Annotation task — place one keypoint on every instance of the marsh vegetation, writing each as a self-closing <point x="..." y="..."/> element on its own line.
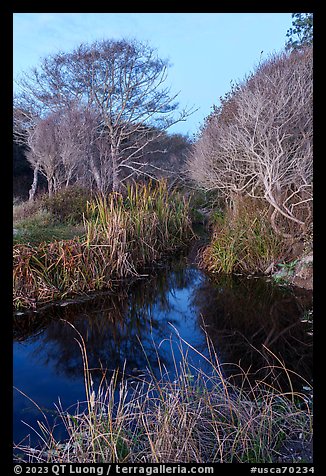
<point x="120" y="199"/>
<point x="122" y="234"/>
<point x="172" y="362"/>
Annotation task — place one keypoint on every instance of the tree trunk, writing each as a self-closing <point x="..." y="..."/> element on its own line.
<point x="68" y="178"/>
<point x="55" y="184"/>
<point x="34" y="184"/>
<point x="50" y="187"/>
<point x="96" y="175"/>
<point x="115" y="178"/>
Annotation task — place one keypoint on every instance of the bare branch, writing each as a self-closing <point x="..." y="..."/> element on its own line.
<point x="260" y="141"/>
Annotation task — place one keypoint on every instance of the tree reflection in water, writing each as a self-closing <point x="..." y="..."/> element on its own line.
<point x="111" y="325"/>
<point x="240" y="316"/>
<point x="250" y="319"/>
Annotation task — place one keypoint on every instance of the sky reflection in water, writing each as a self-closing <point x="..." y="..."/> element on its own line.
<point x="239" y="315"/>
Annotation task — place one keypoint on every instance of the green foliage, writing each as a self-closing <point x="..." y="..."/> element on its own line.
<point x="36" y="233"/>
<point x="301" y="33"/>
<point x="121" y="236"/>
<point x="40" y="226"/>
<point x="47" y="219"/>
<point x="288" y="267"/>
<point x="243" y="240"/>
<point x="201" y="205"/>
<point x="204" y="199"/>
<point x="68" y="205"/>
<point x="217" y="217"/>
<point x="286" y="272"/>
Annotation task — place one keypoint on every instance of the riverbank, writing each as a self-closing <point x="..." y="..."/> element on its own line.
<point x="122" y="236"/>
<point x="243" y="241"/>
<point x="220" y="421"/>
<point x="57" y="256"/>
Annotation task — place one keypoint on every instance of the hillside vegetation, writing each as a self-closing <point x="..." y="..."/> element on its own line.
<point x="255" y="152"/>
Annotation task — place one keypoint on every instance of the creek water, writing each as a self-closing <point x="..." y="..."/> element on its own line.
<point x="241" y="317"/>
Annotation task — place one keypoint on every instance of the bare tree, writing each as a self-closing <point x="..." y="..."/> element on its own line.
<point x="66" y="147"/>
<point x="264" y="148"/>
<point x="83" y="151"/>
<point x="43" y="153"/>
<point x="122" y="84"/>
<point x="168" y="156"/>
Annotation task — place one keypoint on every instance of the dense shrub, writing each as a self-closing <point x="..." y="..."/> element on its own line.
<point x="258" y="143"/>
<point x="68" y="205"/>
<point x="23" y="210"/>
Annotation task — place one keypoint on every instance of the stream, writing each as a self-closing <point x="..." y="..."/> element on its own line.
<point x="247" y="320"/>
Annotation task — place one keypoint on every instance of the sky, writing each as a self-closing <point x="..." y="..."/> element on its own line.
<point x="207" y="51"/>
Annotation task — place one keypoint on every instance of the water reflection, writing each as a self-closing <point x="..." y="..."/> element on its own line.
<point x="250" y="319"/>
<point x="239" y="315"/>
<point x="111" y="325"/>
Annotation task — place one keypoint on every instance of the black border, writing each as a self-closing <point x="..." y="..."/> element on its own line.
<point x="239" y="6"/>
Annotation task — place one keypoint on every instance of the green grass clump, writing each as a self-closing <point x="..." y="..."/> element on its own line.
<point x="121" y="235"/>
<point x="190" y="417"/>
<point x="138" y="227"/>
<point x="243" y="241"/>
<point x="41" y="228"/>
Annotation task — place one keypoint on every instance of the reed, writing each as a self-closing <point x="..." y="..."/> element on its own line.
<point x="243" y="241"/>
<point x="149" y="220"/>
<point x="193" y="416"/>
<point x="122" y="236"/>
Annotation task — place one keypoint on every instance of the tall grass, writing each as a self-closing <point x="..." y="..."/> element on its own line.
<point x="243" y="241"/>
<point x="137" y="228"/>
<point x="193" y="416"/>
<point x="122" y="235"/>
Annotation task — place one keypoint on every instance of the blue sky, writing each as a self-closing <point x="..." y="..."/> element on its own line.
<point x="207" y="50"/>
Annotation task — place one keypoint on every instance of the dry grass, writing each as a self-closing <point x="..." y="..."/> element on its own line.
<point x="25" y="210"/>
<point x="193" y="416"/>
<point x="122" y="235"/>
